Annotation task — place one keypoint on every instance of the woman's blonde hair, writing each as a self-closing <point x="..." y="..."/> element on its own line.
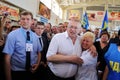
<point x="89" y="35"/>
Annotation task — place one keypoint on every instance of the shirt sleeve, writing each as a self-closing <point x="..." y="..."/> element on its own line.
<point x="39" y="47"/>
<point x="88" y="59"/>
<point x="53" y="47"/>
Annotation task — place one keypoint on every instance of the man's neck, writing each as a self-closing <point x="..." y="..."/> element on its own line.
<point x="73" y="38"/>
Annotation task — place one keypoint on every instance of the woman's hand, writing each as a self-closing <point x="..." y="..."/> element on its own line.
<point x="93" y="51"/>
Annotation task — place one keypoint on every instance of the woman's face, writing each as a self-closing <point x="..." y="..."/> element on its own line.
<point x="104" y="38"/>
<point x="87" y="42"/>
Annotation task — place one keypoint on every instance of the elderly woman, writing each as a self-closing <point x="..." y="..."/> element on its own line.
<point x="112" y="58"/>
<point x="102" y="47"/>
<point x="87" y="71"/>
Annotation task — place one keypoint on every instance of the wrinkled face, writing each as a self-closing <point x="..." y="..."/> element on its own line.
<point x="104" y="38"/>
<point x="72" y="28"/>
<point x="86" y="43"/>
<point x="26" y="21"/>
<point x="39" y="30"/>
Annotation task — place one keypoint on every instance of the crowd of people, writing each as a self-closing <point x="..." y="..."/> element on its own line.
<point x="33" y="50"/>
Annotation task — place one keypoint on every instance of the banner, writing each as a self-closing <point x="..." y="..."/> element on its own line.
<point x="113" y="15"/>
<point x="44" y="11"/>
<point x="99" y="15"/>
<point x="74" y="13"/>
<point x="95" y="15"/>
<point x="13" y="12"/>
<point x="44" y="20"/>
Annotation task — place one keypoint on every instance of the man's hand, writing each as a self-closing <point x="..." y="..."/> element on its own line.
<point x="76" y="59"/>
<point x="34" y="68"/>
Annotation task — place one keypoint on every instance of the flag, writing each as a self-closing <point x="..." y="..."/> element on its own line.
<point x="85" y="22"/>
<point x="105" y="22"/>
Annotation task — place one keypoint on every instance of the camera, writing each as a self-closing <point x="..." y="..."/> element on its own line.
<point x="5" y="14"/>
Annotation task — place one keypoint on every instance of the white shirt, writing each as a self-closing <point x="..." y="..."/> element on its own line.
<point x="88" y="59"/>
<point x="88" y="69"/>
<point x="62" y="43"/>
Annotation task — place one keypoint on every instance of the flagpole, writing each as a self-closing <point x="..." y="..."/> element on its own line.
<point x="84" y="10"/>
<point x="105" y="19"/>
<point x="106" y="5"/>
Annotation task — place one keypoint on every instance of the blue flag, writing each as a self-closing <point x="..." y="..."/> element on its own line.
<point x="105" y="22"/>
<point x="85" y="22"/>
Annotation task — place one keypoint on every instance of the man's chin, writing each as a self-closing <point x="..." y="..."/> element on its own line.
<point x="25" y="27"/>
